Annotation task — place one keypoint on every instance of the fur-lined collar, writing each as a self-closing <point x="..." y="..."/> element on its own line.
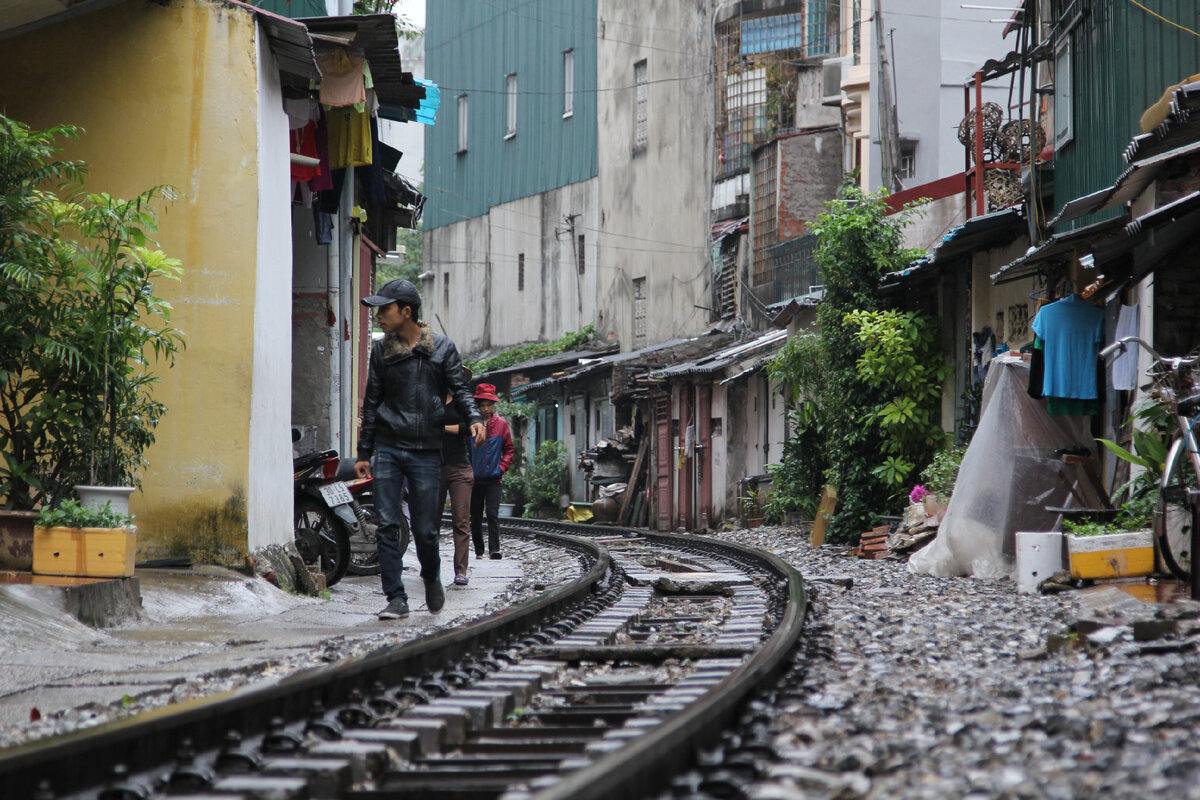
<point x="395" y="348"/>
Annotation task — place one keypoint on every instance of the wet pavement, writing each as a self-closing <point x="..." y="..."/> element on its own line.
<point x="207" y="629"/>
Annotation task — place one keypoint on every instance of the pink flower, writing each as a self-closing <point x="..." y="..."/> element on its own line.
<point x="918" y="494"/>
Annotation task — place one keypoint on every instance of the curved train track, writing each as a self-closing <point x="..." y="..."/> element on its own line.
<point x="606" y="686"/>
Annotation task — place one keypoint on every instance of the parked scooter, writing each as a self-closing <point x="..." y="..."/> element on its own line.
<point x="364" y="553"/>
<point x="325" y="518"/>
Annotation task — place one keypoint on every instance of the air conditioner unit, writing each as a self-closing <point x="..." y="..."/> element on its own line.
<point x="833" y="72"/>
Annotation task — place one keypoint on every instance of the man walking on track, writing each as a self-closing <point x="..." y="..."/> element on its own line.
<point x="411" y="371"/>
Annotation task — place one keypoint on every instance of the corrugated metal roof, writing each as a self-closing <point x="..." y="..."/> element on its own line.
<point x="374" y="36"/>
<point x="725" y="357"/>
<point x="1057" y="246"/>
<point x="1129" y="185"/>
<point x="289" y="42"/>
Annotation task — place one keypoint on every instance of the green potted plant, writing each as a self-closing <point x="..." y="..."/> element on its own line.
<point x="543" y="479"/>
<point x="72" y="539"/>
<point x="753" y="502"/>
<point x="80" y="323"/>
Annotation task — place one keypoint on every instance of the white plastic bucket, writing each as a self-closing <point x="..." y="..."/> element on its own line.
<point x="1039" y="555"/>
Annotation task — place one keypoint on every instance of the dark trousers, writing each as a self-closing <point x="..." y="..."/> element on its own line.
<point x="423" y="470"/>
<point x="486" y="494"/>
<point x="458" y="480"/>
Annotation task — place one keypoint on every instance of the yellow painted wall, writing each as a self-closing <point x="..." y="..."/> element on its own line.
<point x="168" y="95"/>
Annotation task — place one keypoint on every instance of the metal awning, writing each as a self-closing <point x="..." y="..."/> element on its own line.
<point x="375" y="37"/>
<point x="725" y="357"/>
<point x="289" y="42"/>
<point x="1100" y="234"/>
<point x="997" y="229"/>
<point x="1131" y="183"/>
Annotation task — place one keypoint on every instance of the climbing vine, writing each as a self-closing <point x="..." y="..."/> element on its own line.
<point x="859" y="240"/>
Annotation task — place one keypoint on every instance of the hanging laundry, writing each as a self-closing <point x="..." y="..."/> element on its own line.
<point x="342" y="79"/>
<point x="304" y="143"/>
<point x="1124" y="366"/>
<point x="324" y="181"/>
<point x="300" y="108"/>
<point x="349" y="133"/>
<point x="1072" y="330"/>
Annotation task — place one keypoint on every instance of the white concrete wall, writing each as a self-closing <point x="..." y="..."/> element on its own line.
<point x="935" y="48"/>
<point x="487" y="306"/>
<point x="269" y="495"/>
<point x="655" y="204"/>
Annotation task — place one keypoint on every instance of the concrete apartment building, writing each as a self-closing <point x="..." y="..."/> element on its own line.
<point x="568" y="176"/>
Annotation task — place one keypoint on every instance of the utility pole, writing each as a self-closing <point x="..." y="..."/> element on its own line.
<point x="886" y="108"/>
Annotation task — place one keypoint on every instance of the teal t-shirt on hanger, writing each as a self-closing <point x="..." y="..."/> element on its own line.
<point x="1072" y="330"/>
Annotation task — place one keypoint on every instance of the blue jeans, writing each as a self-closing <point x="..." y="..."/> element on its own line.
<point x="422" y="469"/>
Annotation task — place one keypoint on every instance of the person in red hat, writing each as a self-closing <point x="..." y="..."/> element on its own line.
<point x="489" y="461"/>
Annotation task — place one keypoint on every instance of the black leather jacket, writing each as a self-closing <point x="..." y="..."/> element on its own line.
<point x="404" y="405"/>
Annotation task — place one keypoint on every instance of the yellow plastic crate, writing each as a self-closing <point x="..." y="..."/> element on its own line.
<point x="1115" y="555"/>
<point x="85" y="552"/>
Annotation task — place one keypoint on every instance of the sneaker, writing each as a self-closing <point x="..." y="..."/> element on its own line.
<point x="497" y="556"/>
<point x="395" y="609"/>
<point x="479" y="555"/>
<point x="460" y="580"/>
<point x="435" y="596"/>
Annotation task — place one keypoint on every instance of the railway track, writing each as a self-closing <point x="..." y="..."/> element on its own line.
<point x="603" y="687"/>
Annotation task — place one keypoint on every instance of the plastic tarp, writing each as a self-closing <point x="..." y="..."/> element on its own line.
<point x="1008" y="477"/>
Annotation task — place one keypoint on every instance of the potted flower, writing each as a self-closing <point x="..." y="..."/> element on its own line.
<point x="71" y="539"/>
<point x="753" y="503"/>
<point x="81" y="323"/>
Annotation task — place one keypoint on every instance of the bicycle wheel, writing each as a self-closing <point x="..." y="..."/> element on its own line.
<point x="1172" y="518"/>
<point x="323" y="540"/>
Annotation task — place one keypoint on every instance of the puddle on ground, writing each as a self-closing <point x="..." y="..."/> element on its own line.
<point x="1154" y="590"/>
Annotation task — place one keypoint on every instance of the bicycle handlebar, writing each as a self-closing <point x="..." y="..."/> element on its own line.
<point x="1120" y="344"/>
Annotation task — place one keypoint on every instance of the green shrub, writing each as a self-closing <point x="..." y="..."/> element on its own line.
<point x="939" y="477"/>
<point x="545" y="475"/>
<point x="70" y="514"/>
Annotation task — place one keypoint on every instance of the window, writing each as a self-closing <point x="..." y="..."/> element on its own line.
<point x="1064" y="130"/>
<point x="639" y="310"/>
<point x="641" y="99"/>
<point x="572" y="420"/>
<point x="445" y="290"/>
<point x="511" y="92"/>
<point x="579" y="259"/>
<point x="821" y="39"/>
<point x="768" y="34"/>
<point x="568" y="83"/>
<point x="908" y="161"/>
<point x="520" y="272"/>
<point x="462" y="123"/>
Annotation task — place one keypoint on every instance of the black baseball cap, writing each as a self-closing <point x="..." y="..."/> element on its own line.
<point x="397" y="291"/>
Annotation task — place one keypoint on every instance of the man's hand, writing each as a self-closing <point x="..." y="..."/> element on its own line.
<point x="479" y="432"/>
<point x="362" y="468"/>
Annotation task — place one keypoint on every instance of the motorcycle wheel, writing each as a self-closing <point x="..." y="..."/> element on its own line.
<point x="323" y="540"/>
<point x="364" y="555"/>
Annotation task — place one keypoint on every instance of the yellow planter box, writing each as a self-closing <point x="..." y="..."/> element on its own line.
<point x="86" y="552"/>
<point x="1116" y="555"/>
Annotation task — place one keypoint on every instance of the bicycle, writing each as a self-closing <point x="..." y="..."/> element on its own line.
<point x="1175" y="382"/>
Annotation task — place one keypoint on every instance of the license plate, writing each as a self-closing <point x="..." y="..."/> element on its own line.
<point x="335" y="494"/>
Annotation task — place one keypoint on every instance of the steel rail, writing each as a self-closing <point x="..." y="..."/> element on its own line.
<point x="668" y="750"/>
<point x="78" y="761"/>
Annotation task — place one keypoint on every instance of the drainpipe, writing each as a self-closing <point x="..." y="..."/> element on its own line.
<point x="333" y="308"/>
<point x="345" y="329"/>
